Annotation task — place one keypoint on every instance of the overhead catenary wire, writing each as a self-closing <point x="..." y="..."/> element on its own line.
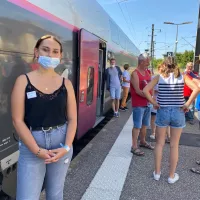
<point x="125" y="18"/>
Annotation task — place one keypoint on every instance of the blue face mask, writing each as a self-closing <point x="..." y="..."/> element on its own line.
<point x="48" y="62"/>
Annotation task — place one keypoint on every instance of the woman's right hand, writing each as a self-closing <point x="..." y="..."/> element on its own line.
<point x="185" y="108"/>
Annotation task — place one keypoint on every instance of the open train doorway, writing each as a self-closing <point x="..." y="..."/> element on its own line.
<point x="101" y="82"/>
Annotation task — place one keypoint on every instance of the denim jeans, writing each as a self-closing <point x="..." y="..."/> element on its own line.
<point x="141" y="116"/>
<point x="170" y="116"/>
<point x="32" y="172"/>
<point x="189" y="116"/>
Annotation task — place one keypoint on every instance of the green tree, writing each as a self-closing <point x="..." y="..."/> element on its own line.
<point x="156" y="62"/>
<point x="183" y="58"/>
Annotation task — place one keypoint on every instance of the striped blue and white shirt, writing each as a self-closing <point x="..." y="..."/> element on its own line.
<point x="170" y="91"/>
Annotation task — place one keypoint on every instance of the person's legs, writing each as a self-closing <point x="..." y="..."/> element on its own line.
<point x="137" y="124"/>
<point x="160" y="142"/>
<point x="162" y="121"/>
<point x="145" y="123"/>
<point x="153" y="126"/>
<point x="189" y="116"/>
<point x="112" y="95"/>
<point x="56" y="172"/>
<point x="117" y="98"/>
<point x="30" y="171"/>
<point x="116" y="105"/>
<point x="55" y="177"/>
<point x="177" y="124"/>
<point x="174" y="146"/>
<point x="125" y="95"/>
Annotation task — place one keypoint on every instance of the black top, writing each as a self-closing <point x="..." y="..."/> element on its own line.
<point x="45" y="110"/>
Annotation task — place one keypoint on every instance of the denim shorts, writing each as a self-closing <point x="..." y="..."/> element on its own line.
<point x="115" y="93"/>
<point x="170" y="116"/>
<point x="32" y="171"/>
<point x="141" y="116"/>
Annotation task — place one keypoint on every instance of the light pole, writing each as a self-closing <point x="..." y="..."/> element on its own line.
<point x="176" y="43"/>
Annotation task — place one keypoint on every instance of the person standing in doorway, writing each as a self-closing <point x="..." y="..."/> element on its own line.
<point x="141" y="109"/>
<point x="125" y="87"/>
<point x="113" y="83"/>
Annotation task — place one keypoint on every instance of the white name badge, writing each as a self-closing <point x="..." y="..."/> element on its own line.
<point x="31" y="95"/>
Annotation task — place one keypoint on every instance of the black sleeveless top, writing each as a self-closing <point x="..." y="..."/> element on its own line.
<point x="45" y="110"/>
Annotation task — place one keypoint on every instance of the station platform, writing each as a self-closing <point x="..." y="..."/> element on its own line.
<point x="106" y="169"/>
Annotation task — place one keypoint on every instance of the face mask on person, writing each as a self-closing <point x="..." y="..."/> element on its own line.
<point x="48" y="62"/>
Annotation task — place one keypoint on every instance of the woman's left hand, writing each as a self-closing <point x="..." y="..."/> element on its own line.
<point x="56" y="154"/>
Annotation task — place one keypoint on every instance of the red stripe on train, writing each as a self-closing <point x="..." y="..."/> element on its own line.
<point x="39" y="11"/>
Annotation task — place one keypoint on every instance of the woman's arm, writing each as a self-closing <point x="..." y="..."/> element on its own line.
<point x="194" y="87"/>
<point x="72" y="124"/>
<point x="150" y="87"/>
<point x="124" y="80"/>
<point x="17" y="109"/>
<point x="71" y="114"/>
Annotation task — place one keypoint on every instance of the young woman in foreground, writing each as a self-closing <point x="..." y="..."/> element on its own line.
<point x="171" y="112"/>
<point x="45" y="118"/>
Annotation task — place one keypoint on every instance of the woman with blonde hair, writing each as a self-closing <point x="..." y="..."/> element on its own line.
<point x="171" y="112"/>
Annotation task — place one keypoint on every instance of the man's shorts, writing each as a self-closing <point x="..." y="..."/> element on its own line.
<point x="170" y="116"/>
<point x="115" y="93"/>
<point x="141" y="116"/>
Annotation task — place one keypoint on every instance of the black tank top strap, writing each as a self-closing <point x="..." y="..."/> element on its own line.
<point x="63" y="83"/>
<point x="29" y="82"/>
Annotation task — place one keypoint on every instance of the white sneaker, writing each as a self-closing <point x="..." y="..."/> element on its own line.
<point x="156" y="176"/>
<point x="173" y="180"/>
<point x="152" y="137"/>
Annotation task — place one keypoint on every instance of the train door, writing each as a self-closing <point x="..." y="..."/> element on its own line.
<point x="88" y="79"/>
<point x="100" y="87"/>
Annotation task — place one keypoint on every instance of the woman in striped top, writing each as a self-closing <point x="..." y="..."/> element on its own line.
<point x="171" y="108"/>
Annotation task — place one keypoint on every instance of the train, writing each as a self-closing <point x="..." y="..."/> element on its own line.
<point x="90" y="38"/>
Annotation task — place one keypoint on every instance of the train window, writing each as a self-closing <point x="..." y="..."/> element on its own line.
<point x="90" y="85"/>
<point x="114" y="32"/>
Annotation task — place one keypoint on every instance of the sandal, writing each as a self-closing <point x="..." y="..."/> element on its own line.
<point x="198" y="162"/>
<point x="147" y="146"/>
<point x="196" y="171"/>
<point x="137" y="152"/>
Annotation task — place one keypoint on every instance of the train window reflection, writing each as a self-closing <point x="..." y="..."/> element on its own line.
<point x="90" y="85"/>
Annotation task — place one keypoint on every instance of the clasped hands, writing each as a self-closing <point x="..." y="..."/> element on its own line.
<point x="52" y="156"/>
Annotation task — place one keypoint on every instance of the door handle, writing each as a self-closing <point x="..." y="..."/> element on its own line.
<point x="82" y="96"/>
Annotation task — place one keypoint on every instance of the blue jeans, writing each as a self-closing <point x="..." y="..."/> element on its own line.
<point x="170" y="116"/>
<point x="115" y="93"/>
<point x="189" y="116"/>
<point x="32" y="171"/>
<point x="141" y="116"/>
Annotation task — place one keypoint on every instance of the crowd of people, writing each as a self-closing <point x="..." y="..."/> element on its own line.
<point x="45" y="117"/>
<point x="164" y="101"/>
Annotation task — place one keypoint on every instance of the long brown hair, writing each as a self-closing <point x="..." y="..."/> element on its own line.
<point x="169" y="66"/>
<point x="38" y="43"/>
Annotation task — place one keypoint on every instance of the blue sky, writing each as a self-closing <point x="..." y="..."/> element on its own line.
<point x="141" y="14"/>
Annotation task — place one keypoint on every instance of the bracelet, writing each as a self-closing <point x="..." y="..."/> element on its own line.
<point x="66" y="147"/>
<point x="38" y="153"/>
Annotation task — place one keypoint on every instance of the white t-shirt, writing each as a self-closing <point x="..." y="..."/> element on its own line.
<point x="126" y="75"/>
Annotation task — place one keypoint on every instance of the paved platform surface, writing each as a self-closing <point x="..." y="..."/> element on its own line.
<point x="106" y="170"/>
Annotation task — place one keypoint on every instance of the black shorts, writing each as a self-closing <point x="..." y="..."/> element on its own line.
<point x="153" y="113"/>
